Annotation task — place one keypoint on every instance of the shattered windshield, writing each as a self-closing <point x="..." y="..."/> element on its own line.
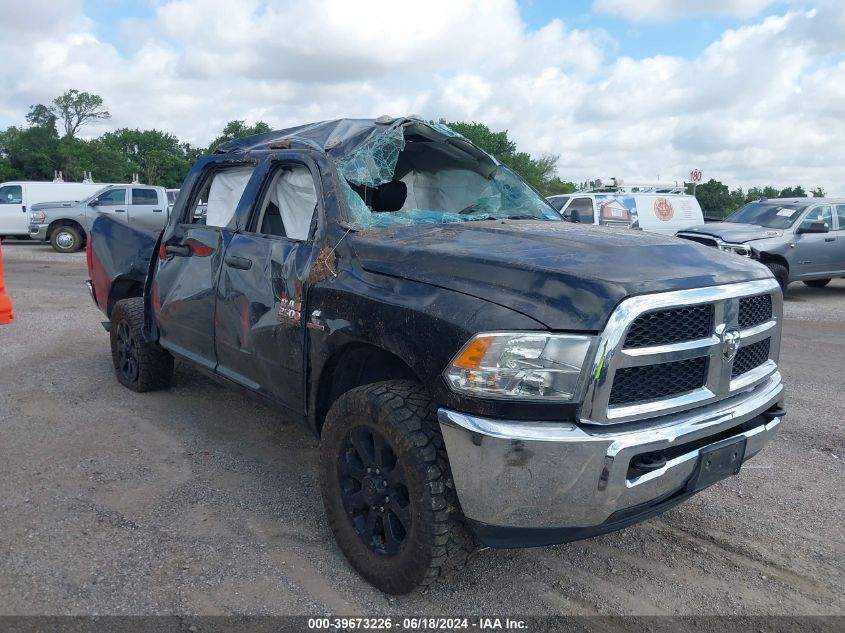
<point x="420" y="174"/>
<point x="767" y="214"/>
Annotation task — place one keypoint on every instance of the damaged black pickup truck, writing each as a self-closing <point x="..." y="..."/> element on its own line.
<point x="477" y="370"/>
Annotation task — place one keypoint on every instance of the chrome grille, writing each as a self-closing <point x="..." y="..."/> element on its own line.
<point x="653" y="382"/>
<point x="670" y="326"/>
<point x="750" y="357"/>
<point x="674" y="351"/>
<point x="754" y="310"/>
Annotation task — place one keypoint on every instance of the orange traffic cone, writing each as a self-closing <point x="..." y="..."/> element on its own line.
<point x="5" y="303"/>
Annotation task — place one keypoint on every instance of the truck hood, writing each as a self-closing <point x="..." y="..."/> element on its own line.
<point x="734" y="232"/>
<point x="566" y="276"/>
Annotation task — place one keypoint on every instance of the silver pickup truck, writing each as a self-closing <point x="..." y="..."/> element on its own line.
<point x="66" y="224"/>
<point x="799" y="239"/>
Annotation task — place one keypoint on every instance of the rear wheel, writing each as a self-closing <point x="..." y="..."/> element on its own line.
<point x="65" y="239"/>
<point x="817" y="283"/>
<point x="138" y="364"/>
<point x="781" y="274"/>
<point x="387" y="487"/>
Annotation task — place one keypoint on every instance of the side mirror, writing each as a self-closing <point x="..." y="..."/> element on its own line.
<point x="813" y="227"/>
<point x="94" y="203"/>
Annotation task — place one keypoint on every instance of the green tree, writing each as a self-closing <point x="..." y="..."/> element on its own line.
<point x="76" y="109"/>
<point x="159" y="158"/>
<point x="770" y="192"/>
<point x="237" y="129"/>
<point x="33" y="152"/>
<point x="539" y="172"/>
<point x="793" y="192"/>
<point x="818" y="192"/>
<point x="715" y="198"/>
<point x="41" y="116"/>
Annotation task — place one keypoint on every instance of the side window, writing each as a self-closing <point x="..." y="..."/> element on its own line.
<point x="819" y="214"/>
<point x="840" y="215"/>
<point x="581" y="211"/>
<point x="289" y="203"/>
<point x="11" y="194"/>
<point x="112" y="198"/>
<point x="219" y="196"/>
<point x="558" y="202"/>
<point x="146" y="197"/>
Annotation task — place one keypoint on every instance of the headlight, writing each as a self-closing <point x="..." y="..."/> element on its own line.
<point x="520" y="365"/>
<point x="37" y="216"/>
<point x="739" y="249"/>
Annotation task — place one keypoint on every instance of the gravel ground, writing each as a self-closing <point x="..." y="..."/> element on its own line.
<point x="195" y="501"/>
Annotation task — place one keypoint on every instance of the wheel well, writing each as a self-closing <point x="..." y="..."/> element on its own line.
<point x="767" y="258"/>
<point x="123" y="289"/>
<point x="65" y="222"/>
<point x="354" y="366"/>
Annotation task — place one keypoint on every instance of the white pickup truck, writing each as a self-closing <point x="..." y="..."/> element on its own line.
<point x="65" y="224"/>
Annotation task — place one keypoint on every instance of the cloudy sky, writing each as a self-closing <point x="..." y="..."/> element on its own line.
<point x="750" y="91"/>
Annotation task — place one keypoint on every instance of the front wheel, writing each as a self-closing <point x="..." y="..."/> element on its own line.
<point x="139" y="365"/>
<point x="817" y="283"/>
<point x="65" y="239"/>
<point x="387" y="487"/>
<point x="781" y="274"/>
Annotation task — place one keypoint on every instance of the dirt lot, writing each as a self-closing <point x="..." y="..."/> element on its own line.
<point x="194" y="500"/>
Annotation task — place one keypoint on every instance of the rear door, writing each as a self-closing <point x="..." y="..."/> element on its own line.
<point x="260" y="319"/>
<point x="146" y="210"/>
<point x="190" y="257"/>
<point x="13" y="217"/>
<point x="816" y="253"/>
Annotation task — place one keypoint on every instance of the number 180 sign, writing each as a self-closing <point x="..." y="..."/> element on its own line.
<point x="695" y="175"/>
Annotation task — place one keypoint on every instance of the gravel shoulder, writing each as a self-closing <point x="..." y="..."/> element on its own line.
<point x="196" y="501"/>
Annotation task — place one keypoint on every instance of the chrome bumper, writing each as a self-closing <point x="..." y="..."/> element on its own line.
<point x="38" y="232"/>
<point x="558" y="475"/>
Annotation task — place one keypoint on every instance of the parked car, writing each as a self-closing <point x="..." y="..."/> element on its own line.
<point x="65" y="225"/>
<point x="18" y="197"/>
<point x="658" y="207"/>
<point x="477" y="369"/>
<point x="799" y="239"/>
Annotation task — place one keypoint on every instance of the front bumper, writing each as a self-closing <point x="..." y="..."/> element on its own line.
<point x="535" y="483"/>
<point x="38" y="231"/>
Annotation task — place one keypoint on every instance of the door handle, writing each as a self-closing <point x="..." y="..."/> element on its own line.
<point x="238" y="262"/>
<point x="830" y="239"/>
<point x="119" y="210"/>
<point x="23" y="208"/>
<point x="179" y="250"/>
<point x="156" y="210"/>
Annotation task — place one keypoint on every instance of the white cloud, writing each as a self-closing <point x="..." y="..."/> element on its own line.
<point x="669" y="10"/>
<point x="762" y="104"/>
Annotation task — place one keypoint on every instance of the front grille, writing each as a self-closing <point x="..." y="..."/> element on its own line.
<point x="750" y="357"/>
<point x="675" y="325"/>
<point x="754" y="310"/>
<point x="654" y="382"/>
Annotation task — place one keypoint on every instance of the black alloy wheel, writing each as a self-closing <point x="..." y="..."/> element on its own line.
<point x="374" y="491"/>
<point x="127" y="352"/>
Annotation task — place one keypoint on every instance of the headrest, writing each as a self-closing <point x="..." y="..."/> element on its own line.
<point x="390" y="196"/>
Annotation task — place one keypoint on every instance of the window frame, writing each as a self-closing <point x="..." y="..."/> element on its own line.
<point x="205" y="178"/>
<point x="273" y="165"/>
<point x="110" y="204"/>
<point x="20" y="191"/>
<point x="797" y="226"/>
<point x="144" y="204"/>
<point x="567" y="213"/>
<point x="840" y="217"/>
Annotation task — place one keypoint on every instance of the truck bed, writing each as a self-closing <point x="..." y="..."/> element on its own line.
<point x="117" y="253"/>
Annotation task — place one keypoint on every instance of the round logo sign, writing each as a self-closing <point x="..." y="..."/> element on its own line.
<point x="663" y="209"/>
<point x="730" y="340"/>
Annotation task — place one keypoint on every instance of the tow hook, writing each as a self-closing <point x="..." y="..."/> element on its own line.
<point x="648" y="462"/>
